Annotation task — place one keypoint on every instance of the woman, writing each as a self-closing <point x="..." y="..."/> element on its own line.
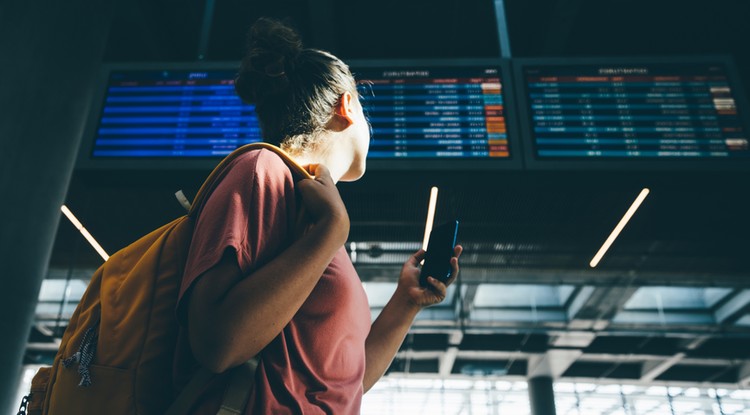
<point x="256" y="285"/>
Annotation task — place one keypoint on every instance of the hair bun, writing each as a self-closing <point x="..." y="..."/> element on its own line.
<point x="273" y="48"/>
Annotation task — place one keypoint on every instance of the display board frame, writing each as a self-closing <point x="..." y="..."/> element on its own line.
<point x="87" y="162"/>
<point x="534" y="162"/>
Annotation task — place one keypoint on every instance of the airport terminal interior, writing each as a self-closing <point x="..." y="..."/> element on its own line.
<point x="595" y="154"/>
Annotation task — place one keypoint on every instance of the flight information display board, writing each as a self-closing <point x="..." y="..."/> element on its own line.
<point x="627" y="111"/>
<point x="162" y="115"/>
<point x="173" y="114"/>
<point x="436" y="112"/>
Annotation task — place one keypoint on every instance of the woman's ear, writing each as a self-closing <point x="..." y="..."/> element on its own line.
<point x="343" y="112"/>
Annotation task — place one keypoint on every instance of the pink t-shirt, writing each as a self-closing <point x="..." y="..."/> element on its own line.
<point x="317" y="363"/>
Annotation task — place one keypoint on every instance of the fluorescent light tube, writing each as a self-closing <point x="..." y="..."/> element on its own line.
<point x="616" y="232"/>
<point x="84" y="232"/>
<point x="430" y="216"/>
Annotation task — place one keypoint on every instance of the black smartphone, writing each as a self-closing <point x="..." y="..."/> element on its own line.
<point x="437" y="259"/>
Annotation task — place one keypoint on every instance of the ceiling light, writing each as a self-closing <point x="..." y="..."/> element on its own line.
<point x="624" y="221"/>
<point x="430" y="216"/>
<point x="84" y="232"/>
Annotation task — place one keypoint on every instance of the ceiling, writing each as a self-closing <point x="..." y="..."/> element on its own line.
<point x="668" y="303"/>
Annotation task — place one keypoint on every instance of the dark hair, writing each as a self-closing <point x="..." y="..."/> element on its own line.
<point x="294" y="89"/>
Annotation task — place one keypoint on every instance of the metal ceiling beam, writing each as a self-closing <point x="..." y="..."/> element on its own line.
<point x="471" y="274"/>
<point x="448" y="359"/>
<point x="579" y="379"/>
<point x="580" y="298"/>
<point x="490" y="355"/>
<point x="743" y="377"/>
<point x="652" y="360"/>
<point x="556" y="329"/>
<point x="556" y="362"/>
<point x="560" y="26"/>
<point x="503" y="34"/>
<point x="654" y="369"/>
<point x="636" y="382"/>
<point x="466" y="354"/>
<point x="573" y="339"/>
<point x="553" y="363"/>
<point x="205" y="35"/>
<point x="733" y="309"/>
<point x="600" y="306"/>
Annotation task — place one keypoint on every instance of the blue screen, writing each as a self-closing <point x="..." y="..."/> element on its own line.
<point x="676" y="111"/>
<point x="173" y="114"/>
<point x="435" y="112"/>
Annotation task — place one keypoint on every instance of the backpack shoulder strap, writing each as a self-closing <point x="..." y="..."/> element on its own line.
<point x="238" y="390"/>
<point x="186" y="398"/>
<point x="220" y="171"/>
<point x="241" y="380"/>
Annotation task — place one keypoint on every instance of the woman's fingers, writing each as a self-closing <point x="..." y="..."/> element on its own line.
<point x="416" y="258"/>
<point x="454" y="268"/>
<point x="321" y="173"/>
<point x="321" y="198"/>
<point x="440" y="289"/>
<point x="454" y="263"/>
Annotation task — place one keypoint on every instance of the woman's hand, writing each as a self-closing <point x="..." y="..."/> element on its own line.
<point x="323" y="203"/>
<point x="435" y="292"/>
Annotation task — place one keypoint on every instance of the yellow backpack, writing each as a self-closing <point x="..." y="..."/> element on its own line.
<point x="116" y="354"/>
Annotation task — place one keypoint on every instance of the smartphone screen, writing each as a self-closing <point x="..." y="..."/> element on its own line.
<point x="437" y="260"/>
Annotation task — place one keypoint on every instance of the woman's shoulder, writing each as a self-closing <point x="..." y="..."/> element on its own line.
<point x="267" y="169"/>
<point x="258" y="161"/>
<point x="261" y="159"/>
<point x="270" y="160"/>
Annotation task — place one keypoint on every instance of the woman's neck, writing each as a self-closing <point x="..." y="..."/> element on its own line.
<point x="326" y="155"/>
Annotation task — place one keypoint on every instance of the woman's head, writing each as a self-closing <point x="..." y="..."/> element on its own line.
<point x="296" y="91"/>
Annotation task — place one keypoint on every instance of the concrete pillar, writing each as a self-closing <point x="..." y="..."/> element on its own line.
<point x="50" y="54"/>
<point x="541" y="396"/>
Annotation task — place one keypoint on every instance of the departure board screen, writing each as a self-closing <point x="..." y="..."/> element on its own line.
<point x="650" y="111"/>
<point x="173" y="114"/>
<point x="437" y="112"/>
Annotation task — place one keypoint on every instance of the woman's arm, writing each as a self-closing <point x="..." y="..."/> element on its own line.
<point x="389" y="329"/>
<point x="386" y="335"/>
<point x="231" y="318"/>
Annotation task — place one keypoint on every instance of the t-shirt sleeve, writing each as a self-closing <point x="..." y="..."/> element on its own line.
<point x="252" y="211"/>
